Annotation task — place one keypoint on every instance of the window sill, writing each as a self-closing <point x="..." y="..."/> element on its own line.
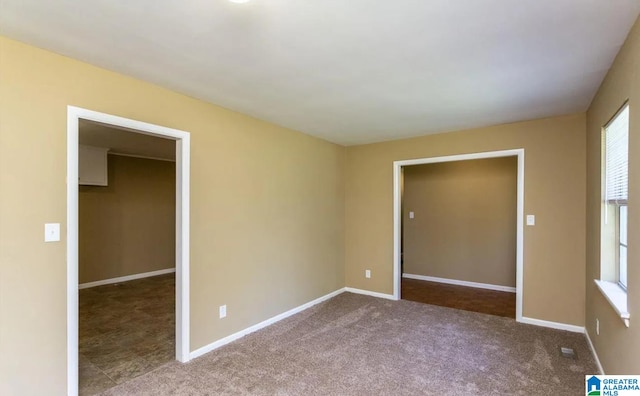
<point x="617" y="297"/>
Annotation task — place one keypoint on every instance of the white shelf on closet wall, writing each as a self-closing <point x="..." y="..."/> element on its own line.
<point x="92" y="166"/>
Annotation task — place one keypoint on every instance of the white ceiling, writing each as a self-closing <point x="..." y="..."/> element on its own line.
<point x="353" y="71"/>
<point x="123" y="141"/>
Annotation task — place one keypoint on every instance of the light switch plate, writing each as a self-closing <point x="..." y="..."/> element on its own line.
<point x="223" y="311"/>
<point x="531" y="220"/>
<point x="411" y="215"/>
<point x="52" y="232"/>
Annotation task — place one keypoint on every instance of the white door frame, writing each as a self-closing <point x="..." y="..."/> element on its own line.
<point x="397" y="220"/>
<point x="74" y="114"/>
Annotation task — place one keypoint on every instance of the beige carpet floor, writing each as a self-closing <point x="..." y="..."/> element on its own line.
<point x="359" y="345"/>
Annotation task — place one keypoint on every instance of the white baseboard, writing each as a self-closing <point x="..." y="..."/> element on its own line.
<point x="224" y="341"/>
<point x="553" y="325"/>
<point x="593" y="351"/>
<point x="369" y="293"/>
<point x="461" y="283"/>
<point x="125" y="278"/>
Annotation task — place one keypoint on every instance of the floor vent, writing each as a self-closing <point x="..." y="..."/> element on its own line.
<point x="567" y="353"/>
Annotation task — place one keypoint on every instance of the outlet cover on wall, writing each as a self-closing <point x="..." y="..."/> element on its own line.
<point x="367" y="273"/>
<point x="223" y="311"/>
<point x="52" y="232"/>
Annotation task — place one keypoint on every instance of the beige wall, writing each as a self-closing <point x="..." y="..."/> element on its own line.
<point x="554" y="249"/>
<point x="267" y="209"/>
<point x="616" y="345"/>
<point x="464" y="226"/>
<point x="128" y="227"/>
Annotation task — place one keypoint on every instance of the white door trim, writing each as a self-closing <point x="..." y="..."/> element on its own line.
<point x="182" y="138"/>
<point x="397" y="174"/>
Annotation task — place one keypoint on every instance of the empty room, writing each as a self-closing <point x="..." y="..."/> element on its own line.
<point x="294" y="129"/>
<point x="459" y="231"/>
<point x="126" y="255"/>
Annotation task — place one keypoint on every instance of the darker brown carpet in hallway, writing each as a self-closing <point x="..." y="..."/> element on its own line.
<point x="126" y="329"/>
<point x="490" y="302"/>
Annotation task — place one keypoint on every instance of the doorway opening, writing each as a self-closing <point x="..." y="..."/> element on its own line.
<point x="459" y="235"/>
<point x="399" y="167"/>
<point x="138" y="131"/>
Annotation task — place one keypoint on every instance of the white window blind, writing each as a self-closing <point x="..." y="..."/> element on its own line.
<point x="617" y="158"/>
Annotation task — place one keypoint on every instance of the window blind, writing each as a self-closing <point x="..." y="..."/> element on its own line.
<point x="617" y="158"/>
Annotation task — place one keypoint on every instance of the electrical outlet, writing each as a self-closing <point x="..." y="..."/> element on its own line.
<point x="531" y="220"/>
<point x="223" y="311"/>
<point x="597" y="326"/>
<point x="52" y="232"/>
<point x="367" y="273"/>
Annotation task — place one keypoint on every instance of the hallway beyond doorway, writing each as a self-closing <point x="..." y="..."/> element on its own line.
<point x="490" y="302"/>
